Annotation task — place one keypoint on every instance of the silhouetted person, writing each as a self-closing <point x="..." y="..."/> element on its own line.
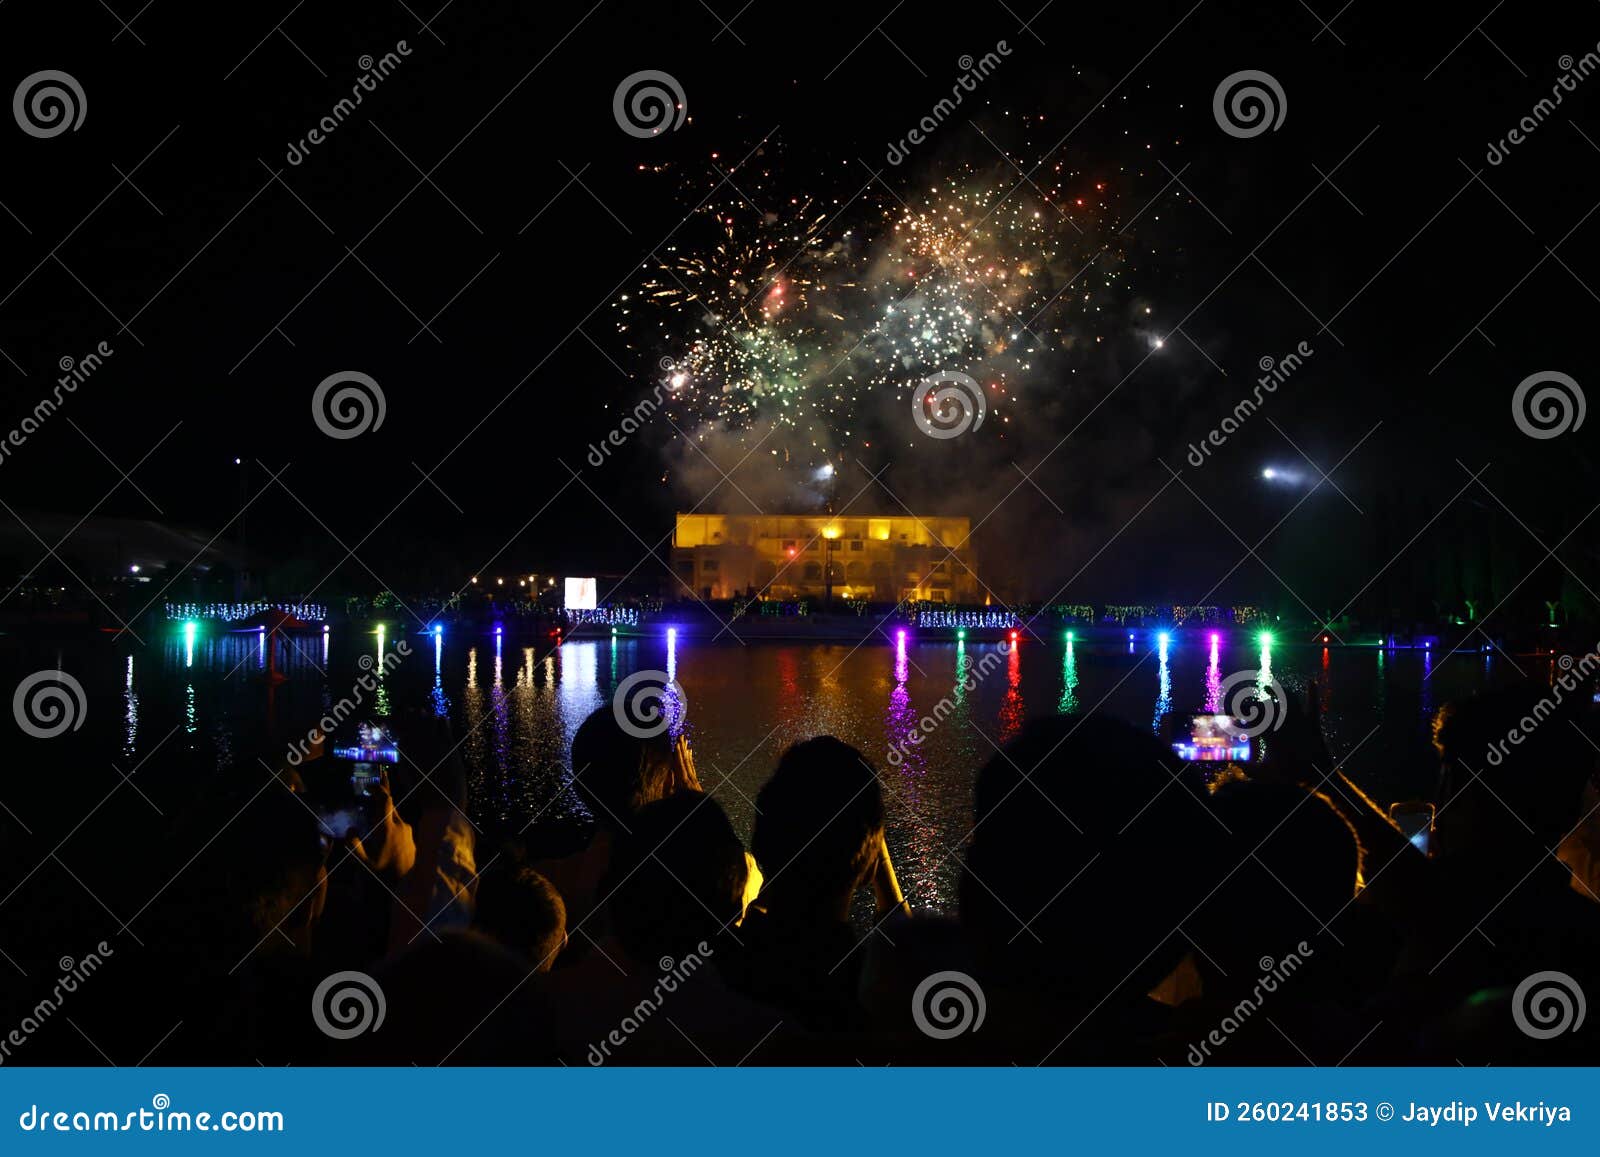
<point x="229" y="944"/>
<point x="616" y="773"/>
<point x="650" y="991"/>
<point x="819" y="838"/>
<point x="1266" y="945"/>
<point x="1513" y="770"/>
<point x="1091" y="846"/>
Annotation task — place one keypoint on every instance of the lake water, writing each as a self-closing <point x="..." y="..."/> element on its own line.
<point x="515" y="706"/>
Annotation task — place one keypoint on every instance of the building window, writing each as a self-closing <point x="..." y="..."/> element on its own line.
<point x="812" y="545"/>
<point x="813" y="572"/>
<point x="708" y="565"/>
<point x="857" y="544"/>
<point x="789" y="545"/>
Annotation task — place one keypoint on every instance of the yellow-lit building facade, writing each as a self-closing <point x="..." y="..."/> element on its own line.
<point x="887" y="559"/>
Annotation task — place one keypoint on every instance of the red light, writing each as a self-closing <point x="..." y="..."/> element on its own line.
<point x="1013" y="636"/>
<point x="1324" y="638"/>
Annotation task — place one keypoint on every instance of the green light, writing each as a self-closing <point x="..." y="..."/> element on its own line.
<point x="961" y="634"/>
<point x="1069" y="636"/>
<point x="1265" y="638"/>
<point x="613" y="632"/>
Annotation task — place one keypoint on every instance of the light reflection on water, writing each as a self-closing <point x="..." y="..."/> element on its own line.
<point x="1069" y="680"/>
<point x="945" y="706"/>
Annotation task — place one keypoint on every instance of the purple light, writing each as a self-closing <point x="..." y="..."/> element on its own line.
<point x="498" y="628"/>
<point x="900" y="636"/>
<point x="1213" y="636"/>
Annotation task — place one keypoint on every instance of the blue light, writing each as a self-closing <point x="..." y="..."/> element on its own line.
<point x="1163" y="638"/>
<point x="437" y="630"/>
<point x="1130" y="636"/>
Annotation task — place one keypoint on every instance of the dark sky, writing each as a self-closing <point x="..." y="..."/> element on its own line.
<point x="229" y="282"/>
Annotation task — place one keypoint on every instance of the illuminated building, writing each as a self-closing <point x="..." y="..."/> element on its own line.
<point x="800" y="556"/>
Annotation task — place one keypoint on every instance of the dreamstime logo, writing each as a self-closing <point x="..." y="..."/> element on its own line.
<point x="348" y="1004"/>
<point x="74" y="372"/>
<point x="648" y="104"/>
<point x="372" y="72"/>
<point x="1249" y="103"/>
<point x="948" y="1004"/>
<point x="351" y="411"/>
<point x="73" y="974"/>
<point x="1274" y="372"/>
<point x="946" y="707"/>
<point x="367" y="683"/>
<point x="1273" y="974"/>
<point x="673" y="974"/>
<point x="633" y="421"/>
<point x="1572" y="73"/>
<point x="647" y="703"/>
<point x="1574" y="677"/>
<point x="49" y="103"/>
<point x="1549" y="412"/>
<point x="48" y="704"/>
<point x="1548" y="1004"/>
<point x="972" y="71"/>
<point x="948" y="404"/>
<point x="1253" y="706"/>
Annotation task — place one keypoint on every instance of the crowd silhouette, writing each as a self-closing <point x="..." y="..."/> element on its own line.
<point x="1116" y="906"/>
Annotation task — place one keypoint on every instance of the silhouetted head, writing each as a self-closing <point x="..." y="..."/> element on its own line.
<point x="1293" y="859"/>
<point x="1517" y="751"/>
<point x="617" y="773"/>
<point x="1091" y="844"/>
<point x="818" y="821"/>
<point x="676" y="878"/>
<point x="522" y="911"/>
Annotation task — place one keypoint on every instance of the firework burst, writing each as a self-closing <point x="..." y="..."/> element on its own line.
<point x="815" y="312"/>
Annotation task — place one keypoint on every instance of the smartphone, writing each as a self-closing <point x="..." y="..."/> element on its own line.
<point x="1415" y="819"/>
<point x="365" y="751"/>
<point x="1209" y="738"/>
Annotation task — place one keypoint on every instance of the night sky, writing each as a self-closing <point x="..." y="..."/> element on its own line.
<point x="464" y="235"/>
